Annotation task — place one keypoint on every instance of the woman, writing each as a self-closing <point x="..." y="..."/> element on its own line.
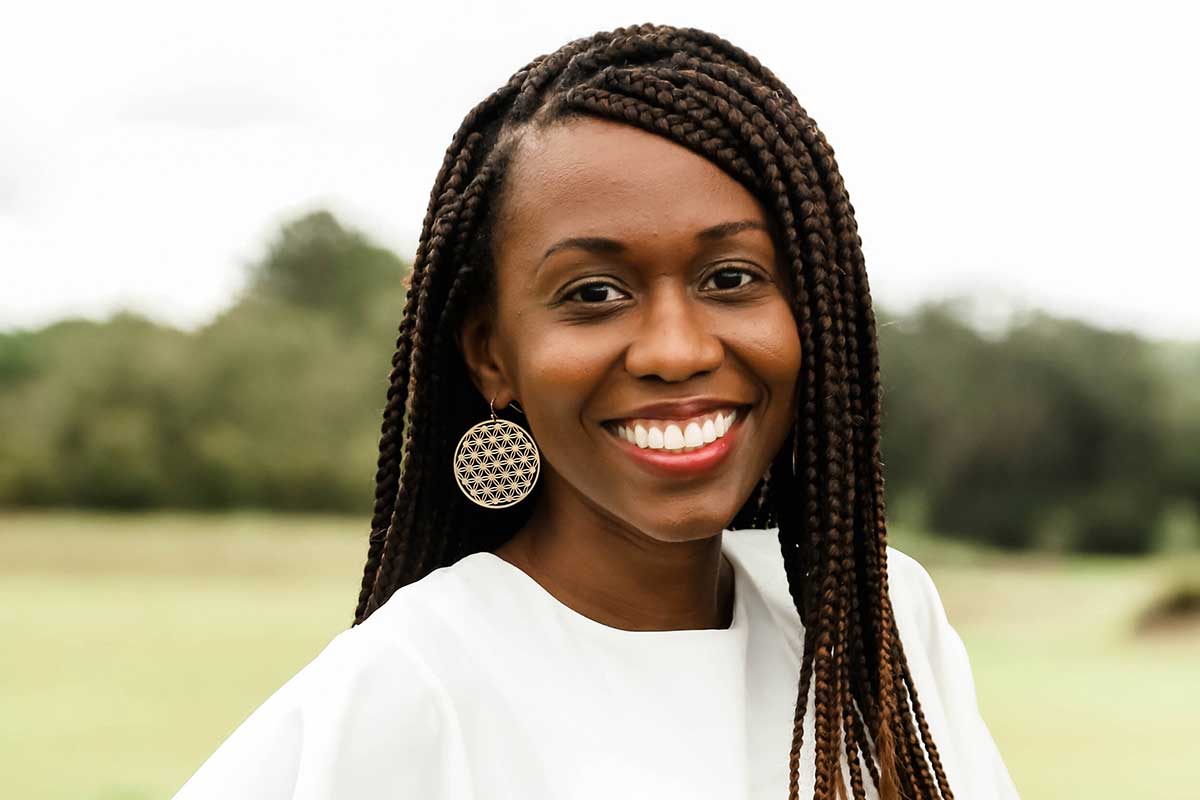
<point x="658" y="567"/>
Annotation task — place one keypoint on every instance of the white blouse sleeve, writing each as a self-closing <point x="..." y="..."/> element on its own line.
<point x="365" y="718"/>
<point x="945" y="685"/>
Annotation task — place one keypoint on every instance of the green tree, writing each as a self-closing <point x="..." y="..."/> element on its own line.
<point x="1050" y="434"/>
<point x="316" y="264"/>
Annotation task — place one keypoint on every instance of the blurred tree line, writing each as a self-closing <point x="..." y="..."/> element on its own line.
<point x="1053" y="435"/>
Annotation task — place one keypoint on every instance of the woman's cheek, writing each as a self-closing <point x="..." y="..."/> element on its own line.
<point x="770" y="343"/>
<point x="561" y="371"/>
<point x="570" y="358"/>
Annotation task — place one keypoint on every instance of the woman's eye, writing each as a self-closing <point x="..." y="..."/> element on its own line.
<point x="729" y="278"/>
<point x="596" y="293"/>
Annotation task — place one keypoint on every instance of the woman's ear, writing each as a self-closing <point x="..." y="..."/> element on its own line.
<point x="477" y="341"/>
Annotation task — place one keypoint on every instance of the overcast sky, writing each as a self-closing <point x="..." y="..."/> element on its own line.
<point x="1037" y="153"/>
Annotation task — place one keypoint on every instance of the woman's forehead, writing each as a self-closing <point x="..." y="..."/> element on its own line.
<point x="591" y="177"/>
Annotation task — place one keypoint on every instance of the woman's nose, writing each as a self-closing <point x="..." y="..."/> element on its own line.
<point x="673" y="341"/>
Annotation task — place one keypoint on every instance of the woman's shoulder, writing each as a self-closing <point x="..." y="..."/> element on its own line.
<point x="916" y="603"/>
<point x="911" y="589"/>
<point x="444" y="591"/>
<point x="366" y="696"/>
<point x="913" y="592"/>
<point x="447" y="609"/>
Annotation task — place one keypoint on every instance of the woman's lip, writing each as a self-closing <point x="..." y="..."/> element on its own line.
<point x="681" y="462"/>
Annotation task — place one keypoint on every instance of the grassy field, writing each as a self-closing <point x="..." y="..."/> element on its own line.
<point x="134" y="644"/>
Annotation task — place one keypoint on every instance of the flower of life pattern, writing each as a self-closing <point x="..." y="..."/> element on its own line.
<point x="496" y="463"/>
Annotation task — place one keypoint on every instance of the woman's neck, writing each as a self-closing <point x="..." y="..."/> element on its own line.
<point x="621" y="577"/>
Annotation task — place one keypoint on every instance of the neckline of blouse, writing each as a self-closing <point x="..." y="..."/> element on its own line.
<point x="575" y="618"/>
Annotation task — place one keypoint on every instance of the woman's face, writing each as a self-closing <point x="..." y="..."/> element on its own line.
<point x="637" y="297"/>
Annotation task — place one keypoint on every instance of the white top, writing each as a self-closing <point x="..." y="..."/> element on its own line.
<point x="475" y="683"/>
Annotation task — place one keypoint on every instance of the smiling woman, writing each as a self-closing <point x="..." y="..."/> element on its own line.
<point x="681" y="587"/>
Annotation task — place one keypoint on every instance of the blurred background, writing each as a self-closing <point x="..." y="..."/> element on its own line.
<point x="206" y="216"/>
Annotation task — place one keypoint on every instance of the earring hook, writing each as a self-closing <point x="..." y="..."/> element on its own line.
<point x="513" y="403"/>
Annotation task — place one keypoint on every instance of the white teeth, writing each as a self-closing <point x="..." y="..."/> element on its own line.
<point x="654" y="437"/>
<point x="685" y="435"/>
<point x="673" y="438"/>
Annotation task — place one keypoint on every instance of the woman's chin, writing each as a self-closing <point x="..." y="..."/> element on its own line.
<point x="688" y="526"/>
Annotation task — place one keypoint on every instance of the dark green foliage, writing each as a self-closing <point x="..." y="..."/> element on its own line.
<point x="18" y="358"/>
<point x="1056" y="434"/>
<point x="274" y="404"/>
<point x="317" y="265"/>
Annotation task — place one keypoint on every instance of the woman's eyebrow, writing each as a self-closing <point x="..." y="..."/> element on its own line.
<point x="606" y="246"/>
<point x="592" y="244"/>
<point x="729" y="229"/>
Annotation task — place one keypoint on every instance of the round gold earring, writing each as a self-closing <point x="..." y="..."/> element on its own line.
<point x="496" y="462"/>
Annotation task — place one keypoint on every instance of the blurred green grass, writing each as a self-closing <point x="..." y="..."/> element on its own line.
<point x="135" y="643"/>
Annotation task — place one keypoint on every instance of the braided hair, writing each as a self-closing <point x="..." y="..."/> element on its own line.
<point x="825" y="488"/>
